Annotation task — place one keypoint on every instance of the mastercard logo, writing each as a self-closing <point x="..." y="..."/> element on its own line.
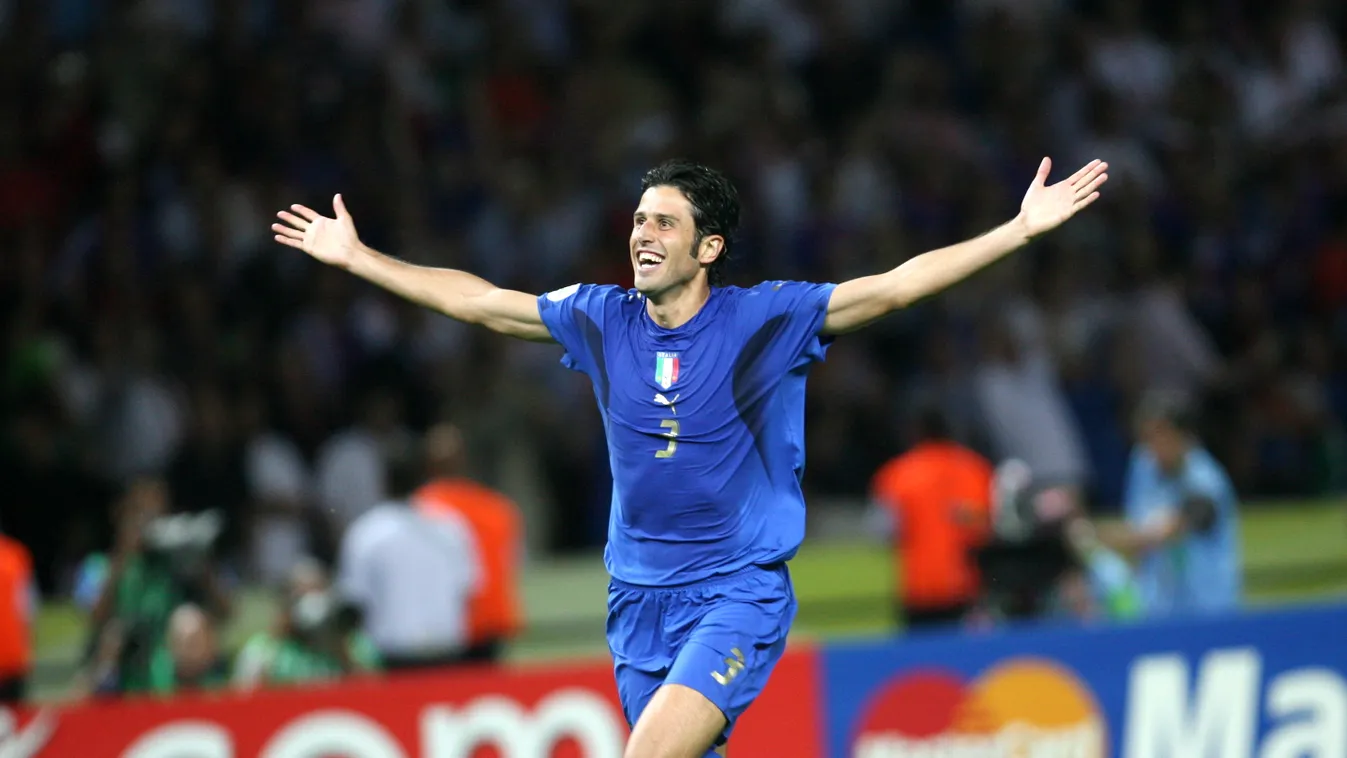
<point x="1022" y="708"/>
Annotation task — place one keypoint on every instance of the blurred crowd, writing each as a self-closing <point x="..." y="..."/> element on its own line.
<point x="978" y="543"/>
<point x="151" y="328"/>
<point x="427" y="577"/>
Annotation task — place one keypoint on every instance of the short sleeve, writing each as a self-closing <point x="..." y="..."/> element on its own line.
<point x="1135" y="490"/>
<point x="792" y="315"/>
<point x="574" y="316"/>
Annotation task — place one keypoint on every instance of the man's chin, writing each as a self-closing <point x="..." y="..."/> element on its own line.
<point x="647" y="285"/>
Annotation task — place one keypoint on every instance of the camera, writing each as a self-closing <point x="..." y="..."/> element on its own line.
<point x="322" y="619"/>
<point x="1028" y="553"/>
<point x="183" y="543"/>
<point x="1199" y="513"/>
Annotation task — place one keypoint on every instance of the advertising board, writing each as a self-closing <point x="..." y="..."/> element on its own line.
<point x="566" y="712"/>
<point x="1265" y="685"/>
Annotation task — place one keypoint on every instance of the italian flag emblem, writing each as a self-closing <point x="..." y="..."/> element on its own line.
<point x="666" y="369"/>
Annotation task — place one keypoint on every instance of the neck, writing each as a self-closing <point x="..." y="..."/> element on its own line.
<point x="677" y="306"/>
<point x="1174" y="468"/>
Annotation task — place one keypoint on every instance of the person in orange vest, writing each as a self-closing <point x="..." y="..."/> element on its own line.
<point x="934" y="502"/>
<point x="18" y="604"/>
<point x="494" y="614"/>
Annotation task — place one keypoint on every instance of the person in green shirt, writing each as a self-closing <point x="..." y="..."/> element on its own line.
<point x="140" y="585"/>
<point x="317" y="638"/>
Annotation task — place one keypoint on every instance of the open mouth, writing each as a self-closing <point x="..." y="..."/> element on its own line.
<point x="647" y="260"/>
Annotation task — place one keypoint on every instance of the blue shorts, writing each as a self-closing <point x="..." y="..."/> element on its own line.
<point x="722" y="637"/>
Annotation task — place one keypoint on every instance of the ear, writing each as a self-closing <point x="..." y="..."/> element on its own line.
<point x="710" y="249"/>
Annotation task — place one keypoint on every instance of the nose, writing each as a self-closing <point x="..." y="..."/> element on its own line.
<point x="642" y="233"/>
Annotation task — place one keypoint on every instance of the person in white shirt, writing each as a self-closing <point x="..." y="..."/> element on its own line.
<point x="412" y="578"/>
<point x="1026" y="413"/>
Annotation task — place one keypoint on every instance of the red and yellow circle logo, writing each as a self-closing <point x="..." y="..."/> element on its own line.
<point x="1023" y="708"/>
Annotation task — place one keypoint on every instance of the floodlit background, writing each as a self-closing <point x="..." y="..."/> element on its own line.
<point x="152" y="328"/>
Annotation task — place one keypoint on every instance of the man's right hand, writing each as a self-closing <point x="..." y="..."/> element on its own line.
<point x="331" y="240"/>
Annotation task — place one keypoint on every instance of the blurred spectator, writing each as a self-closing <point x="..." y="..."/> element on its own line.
<point x="1027" y="414"/>
<point x="159" y="562"/>
<point x="412" y="576"/>
<point x="207" y="473"/>
<point x="1174" y="350"/>
<point x="1182" y="518"/>
<point x="494" y="611"/>
<point x="190" y="660"/>
<point x="351" y="470"/>
<point x="316" y="637"/>
<point x="279" y="486"/>
<point x="140" y="415"/>
<point x="935" y="502"/>
<point x="18" y="607"/>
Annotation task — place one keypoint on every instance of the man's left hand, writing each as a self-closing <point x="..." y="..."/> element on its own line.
<point x="1045" y="207"/>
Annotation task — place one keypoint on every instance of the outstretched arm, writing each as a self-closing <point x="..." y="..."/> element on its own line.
<point x="858" y="302"/>
<point x="457" y="294"/>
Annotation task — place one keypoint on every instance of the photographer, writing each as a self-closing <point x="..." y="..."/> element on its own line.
<point x="1045" y="559"/>
<point x="159" y="562"/>
<point x="1182" y="519"/>
<point x="317" y="638"/>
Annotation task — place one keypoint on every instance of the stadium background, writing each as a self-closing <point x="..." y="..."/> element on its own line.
<point x="150" y="323"/>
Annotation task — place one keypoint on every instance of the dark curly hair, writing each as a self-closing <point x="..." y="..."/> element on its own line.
<point x="714" y="200"/>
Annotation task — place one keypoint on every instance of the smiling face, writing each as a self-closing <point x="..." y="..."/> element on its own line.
<point x="665" y="250"/>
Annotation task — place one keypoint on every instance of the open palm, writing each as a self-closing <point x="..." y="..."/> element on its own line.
<point x="331" y="240"/>
<point x="1045" y="207"/>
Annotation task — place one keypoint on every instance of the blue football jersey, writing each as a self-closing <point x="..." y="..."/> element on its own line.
<point x="705" y="423"/>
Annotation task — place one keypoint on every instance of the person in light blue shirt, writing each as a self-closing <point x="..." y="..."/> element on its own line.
<point x="1181" y="513"/>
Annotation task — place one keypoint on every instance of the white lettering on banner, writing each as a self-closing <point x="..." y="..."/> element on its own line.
<point x="1161" y="725"/>
<point x="1306" y="709"/>
<point x="1016" y="740"/>
<point x="583" y="716"/>
<point x="333" y="732"/>
<point x="1315" y="702"/>
<point x="446" y="732"/>
<point x="199" y="739"/>
<point x="16" y="742"/>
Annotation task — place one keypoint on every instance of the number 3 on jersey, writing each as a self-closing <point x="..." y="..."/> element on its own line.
<point x="672" y="425"/>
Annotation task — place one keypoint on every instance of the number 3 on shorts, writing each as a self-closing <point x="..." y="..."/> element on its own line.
<point x="672" y="425"/>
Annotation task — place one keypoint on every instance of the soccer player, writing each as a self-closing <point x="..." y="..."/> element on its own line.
<point x="701" y="390"/>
